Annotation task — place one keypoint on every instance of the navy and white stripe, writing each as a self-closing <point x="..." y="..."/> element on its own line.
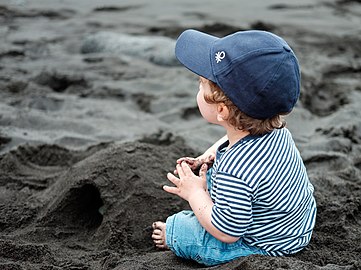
<point x="261" y="192"/>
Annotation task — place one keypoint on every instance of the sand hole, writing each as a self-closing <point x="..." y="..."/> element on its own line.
<point x="82" y="208"/>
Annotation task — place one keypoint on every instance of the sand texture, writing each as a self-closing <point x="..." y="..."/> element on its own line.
<point x="95" y="109"/>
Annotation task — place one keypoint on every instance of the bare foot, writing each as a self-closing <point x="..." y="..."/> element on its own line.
<point x="159" y="235"/>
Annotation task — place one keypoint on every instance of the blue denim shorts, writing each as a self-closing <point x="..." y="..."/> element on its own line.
<point x="188" y="239"/>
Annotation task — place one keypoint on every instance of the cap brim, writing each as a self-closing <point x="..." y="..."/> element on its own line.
<point x="193" y="50"/>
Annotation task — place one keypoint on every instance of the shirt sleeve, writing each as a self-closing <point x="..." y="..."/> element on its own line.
<point x="232" y="210"/>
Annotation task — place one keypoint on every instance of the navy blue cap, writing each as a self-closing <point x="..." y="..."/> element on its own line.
<point x="257" y="70"/>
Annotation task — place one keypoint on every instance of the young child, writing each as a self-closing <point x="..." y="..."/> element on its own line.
<point x="256" y="198"/>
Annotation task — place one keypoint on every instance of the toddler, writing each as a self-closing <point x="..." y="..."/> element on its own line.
<point x="249" y="192"/>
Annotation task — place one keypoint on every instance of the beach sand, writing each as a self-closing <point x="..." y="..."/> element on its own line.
<point x="94" y="111"/>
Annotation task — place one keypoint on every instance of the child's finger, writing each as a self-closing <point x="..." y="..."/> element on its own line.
<point x="186" y="169"/>
<point x="180" y="160"/>
<point x="203" y="171"/>
<point x="186" y="159"/>
<point x="180" y="170"/>
<point x="173" y="179"/>
<point x="172" y="190"/>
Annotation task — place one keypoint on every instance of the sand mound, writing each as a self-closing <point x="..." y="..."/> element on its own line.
<point x="97" y="201"/>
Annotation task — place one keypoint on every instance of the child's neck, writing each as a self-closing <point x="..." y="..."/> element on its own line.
<point x="234" y="135"/>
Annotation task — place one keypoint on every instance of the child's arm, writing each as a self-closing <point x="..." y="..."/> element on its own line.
<point x="194" y="189"/>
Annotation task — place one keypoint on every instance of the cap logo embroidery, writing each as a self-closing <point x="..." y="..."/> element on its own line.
<point x="219" y="56"/>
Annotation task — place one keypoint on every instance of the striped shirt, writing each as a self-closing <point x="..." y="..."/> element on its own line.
<point x="261" y="193"/>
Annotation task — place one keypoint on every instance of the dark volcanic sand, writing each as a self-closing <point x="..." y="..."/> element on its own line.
<point x="92" y="209"/>
<point x="94" y="111"/>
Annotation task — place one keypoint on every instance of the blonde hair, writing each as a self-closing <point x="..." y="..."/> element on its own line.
<point x="240" y="120"/>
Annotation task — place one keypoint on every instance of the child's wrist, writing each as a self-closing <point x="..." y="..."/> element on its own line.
<point x="197" y="195"/>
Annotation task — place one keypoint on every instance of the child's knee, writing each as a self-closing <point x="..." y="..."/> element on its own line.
<point x="184" y="227"/>
<point x="184" y="234"/>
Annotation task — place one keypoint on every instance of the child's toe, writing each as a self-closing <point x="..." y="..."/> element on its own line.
<point x="157" y="231"/>
<point x="158" y="225"/>
<point x="157" y="236"/>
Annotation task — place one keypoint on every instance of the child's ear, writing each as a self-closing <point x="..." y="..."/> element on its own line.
<point x="222" y="112"/>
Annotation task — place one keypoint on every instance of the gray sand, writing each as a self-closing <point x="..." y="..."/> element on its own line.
<point x="94" y="111"/>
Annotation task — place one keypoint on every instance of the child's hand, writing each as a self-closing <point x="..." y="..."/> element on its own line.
<point x="196" y="163"/>
<point x="188" y="183"/>
<point x="193" y="163"/>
